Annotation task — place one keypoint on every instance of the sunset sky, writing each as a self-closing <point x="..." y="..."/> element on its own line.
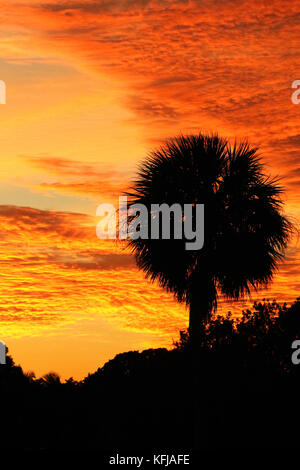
<point x="92" y="87"/>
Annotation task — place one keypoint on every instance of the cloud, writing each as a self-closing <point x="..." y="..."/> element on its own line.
<point x="96" y="190"/>
<point x="290" y="142"/>
<point x="105" y="6"/>
<point x="151" y="109"/>
<point x="88" y="179"/>
<point x="55" y="272"/>
<point x="185" y="64"/>
<point x="59" y="165"/>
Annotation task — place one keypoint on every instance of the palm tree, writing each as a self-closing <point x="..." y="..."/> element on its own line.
<point x="245" y="230"/>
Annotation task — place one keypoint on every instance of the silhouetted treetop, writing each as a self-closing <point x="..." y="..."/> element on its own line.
<point x="245" y="229"/>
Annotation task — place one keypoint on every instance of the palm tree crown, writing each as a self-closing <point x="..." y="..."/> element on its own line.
<point x="245" y="230"/>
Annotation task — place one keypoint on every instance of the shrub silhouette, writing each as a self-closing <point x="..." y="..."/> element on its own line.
<point x="248" y="393"/>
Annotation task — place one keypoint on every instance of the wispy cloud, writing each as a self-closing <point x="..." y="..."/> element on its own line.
<point x="94" y="180"/>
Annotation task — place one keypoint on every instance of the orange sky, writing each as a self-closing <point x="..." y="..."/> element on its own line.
<point x="92" y="86"/>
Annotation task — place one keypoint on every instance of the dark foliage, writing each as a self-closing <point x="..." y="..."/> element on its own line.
<point x="248" y="393"/>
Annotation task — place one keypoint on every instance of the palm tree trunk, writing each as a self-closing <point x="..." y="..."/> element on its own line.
<point x="199" y="313"/>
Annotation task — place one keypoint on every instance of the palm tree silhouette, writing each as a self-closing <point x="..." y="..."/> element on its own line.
<point x="245" y="230"/>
